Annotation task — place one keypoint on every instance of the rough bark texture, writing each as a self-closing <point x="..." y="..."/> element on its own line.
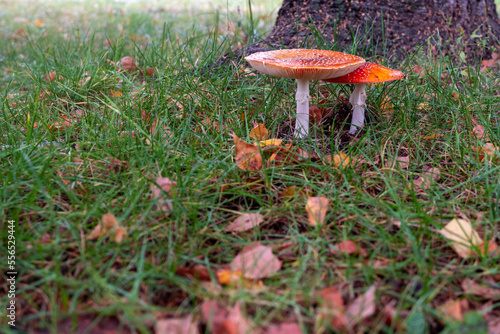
<point x="398" y="26"/>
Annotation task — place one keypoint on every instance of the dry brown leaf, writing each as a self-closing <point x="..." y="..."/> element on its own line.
<point x="478" y="131"/>
<point x="494" y="325"/>
<point x="284" y="328"/>
<point x="248" y="156"/>
<point x="256" y="261"/>
<point x="45" y="239"/>
<point x="316" y="208"/>
<point x="184" y="325"/>
<point x="361" y="308"/>
<point x="452" y="310"/>
<point x="198" y="272"/>
<point x="259" y="132"/>
<point x="167" y="185"/>
<point x="473" y="288"/>
<point x="333" y="308"/>
<point x="128" y="64"/>
<point x="237" y="323"/>
<point x="108" y="224"/>
<point x="214" y="315"/>
<point x="462" y="236"/>
<point x="245" y="222"/>
<point x="349" y="247"/>
<point x="491" y="248"/>
<point x="424" y="182"/>
<point x="489" y="151"/>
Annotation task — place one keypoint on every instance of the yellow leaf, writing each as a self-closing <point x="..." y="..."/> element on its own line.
<point x="316" y="208"/>
<point x="259" y="132"/>
<point x="115" y="93"/>
<point x="462" y="236"/>
<point x="432" y="136"/>
<point x="341" y="160"/>
<point x="227" y="277"/>
<point x="270" y="142"/>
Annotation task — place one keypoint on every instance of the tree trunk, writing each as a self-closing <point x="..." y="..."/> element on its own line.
<point x="391" y="28"/>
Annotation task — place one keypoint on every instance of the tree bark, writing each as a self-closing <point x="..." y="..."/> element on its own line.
<point x="385" y="28"/>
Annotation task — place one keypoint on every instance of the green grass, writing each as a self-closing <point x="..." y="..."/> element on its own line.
<point x="60" y="182"/>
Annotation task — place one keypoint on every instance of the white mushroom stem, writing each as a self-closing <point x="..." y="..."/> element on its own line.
<point x="358" y="102"/>
<point x="302" y="120"/>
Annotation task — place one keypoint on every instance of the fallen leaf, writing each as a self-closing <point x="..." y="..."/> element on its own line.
<point x="361" y="308"/>
<point x="45" y="239"/>
<point x="128" y="64"/>
<point x="256" y="261"/>
<point x="259" y="132"/>
<point x="167" y="185"/>
<point x="214" y="315"/>
<point x="348" y="247"/>
<point x="491" y="248"/>
<point x="38" y="23"/>
<point x="229" y="277"/>
<point x="478" y="131"/>
<point x="184" y="325"/>
<point x="339" y="160"/>
<point x="316" y="114"/>
<point x="115" y="93"/>
<point x="432" y="136"/>
<point x="452" y="310"/>
<point x="237" y="323"/>
<point x="487" y="151"/>
<point x="471" y="287"/>
<point x="108" y="224"/>
<point x="316" y="208"/>
<point x="462" y="236"/>
<point x="424" y="182"/>
<point x="245" y="222"/>
<point x="332" y="308"/>
<point x="284" y="328"/>
<point x="270" y="142"/>
<point x="198" y="272"/>
<point x="386" y="106"/>
<point x="248" y="156"/>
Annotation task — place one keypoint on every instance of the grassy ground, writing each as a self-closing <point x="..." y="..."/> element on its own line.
<point x="81" y="138"/>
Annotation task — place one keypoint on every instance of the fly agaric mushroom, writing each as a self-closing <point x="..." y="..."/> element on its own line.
<point x="367" y="73"/>
<point x="304" y="65"/>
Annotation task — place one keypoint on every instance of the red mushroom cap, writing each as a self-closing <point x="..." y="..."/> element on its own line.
<point x="368" y="73"/>
<point x="304" y="63"/>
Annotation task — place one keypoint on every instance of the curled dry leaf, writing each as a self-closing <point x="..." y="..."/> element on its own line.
<point x="349" y="247"/>
<point x="214" y="315"/>
<point x="248" y="156"/>
<point x="167" y="185"/>
<point x="256" y="261"/>
<point x="259" y="132"/>
<point x="424" y="182"/>
<point x="237" y="323"/>
<point x="473" y="288"/>
<point x="488" y="151"/>
<point x="186" y="325"/>
<point x="361" y="308"/>
<point x="45" y="239"/>
<point x="108" y="224"/>
<point x="452" y="310"/>
<point x="332" y="308"/>
<point x="316" y="208"/>
<point x="462" y="236"/>
<point x="245" y="222"/>
<point x="128" y="64"/>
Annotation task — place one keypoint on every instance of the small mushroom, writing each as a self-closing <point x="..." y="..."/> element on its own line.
<point x="304" y="65"/>
<point x="367" y="73"/>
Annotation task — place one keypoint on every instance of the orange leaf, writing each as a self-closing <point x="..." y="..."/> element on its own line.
<point x="259" y="132"/>
<point x="316" y="208"/>
<point x="432" y="136"/>
<point x="108" y="223"/>
<point x="248" y="156"/>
